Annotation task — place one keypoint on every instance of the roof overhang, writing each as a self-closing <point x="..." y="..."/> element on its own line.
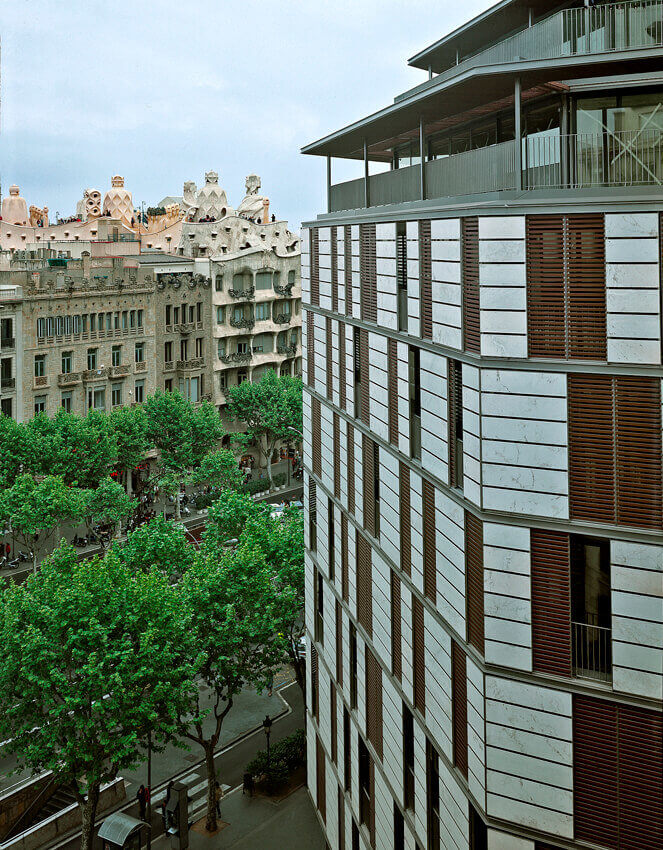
<point x="472" y="88"/>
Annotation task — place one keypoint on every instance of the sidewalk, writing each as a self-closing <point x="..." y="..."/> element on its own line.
<point x="256" y="823"/>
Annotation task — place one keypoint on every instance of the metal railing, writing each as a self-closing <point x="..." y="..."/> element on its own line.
<point x="569" y="32"/>
<point x="489" y="169"/>
<point x="591" y="651"/>
<point x="623" y="158"/>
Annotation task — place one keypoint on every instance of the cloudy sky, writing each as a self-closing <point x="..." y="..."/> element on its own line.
<point x="160" y="92"/>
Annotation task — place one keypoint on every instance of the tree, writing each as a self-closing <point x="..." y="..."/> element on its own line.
<point x="234" y="609"/>
<point x="36" y="508"/>
<point x="81" y="449"/>
<point x="218" y="469"/>
<point x="235" y="516"/>
<point x="270" y="410"/>
<point x="159" y="545"/>
<point x="95" y="658"/>
<point x="182" y="433"/>
<point x="107" y="504"/>
<point x="129" y="428"/>
<point x="16" y="451"/>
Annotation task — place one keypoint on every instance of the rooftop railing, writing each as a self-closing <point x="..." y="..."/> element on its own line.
<point x="569" y="32"/>
<point x="549" y="161"/>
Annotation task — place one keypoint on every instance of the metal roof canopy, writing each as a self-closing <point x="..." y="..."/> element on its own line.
<point x="118" y="827"/>
<point x="473" y="88"/>
<point x="493" y="25"/>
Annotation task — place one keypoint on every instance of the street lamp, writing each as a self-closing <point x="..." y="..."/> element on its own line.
<point x="267" y="726"/>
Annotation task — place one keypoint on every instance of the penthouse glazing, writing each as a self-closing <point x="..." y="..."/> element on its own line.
<point x="483" y="419"/>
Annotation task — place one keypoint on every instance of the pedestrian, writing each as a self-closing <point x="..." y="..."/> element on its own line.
<point x="8" y="550"/>
<point x="164" y="813"/>
<point x="141" y="796"/>
<point x="270" y="686"/>
<point x="218" y="793"/>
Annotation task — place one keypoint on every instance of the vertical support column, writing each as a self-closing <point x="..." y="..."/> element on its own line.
<point x="430" y="72"/>
<point x="422" y="160"/>
<point x="565" y="140"/>
<point x="530" y="17"/>
<point x="367" y="192"/>
<point x="518" y="135"/>
<point x="329" y="179"/>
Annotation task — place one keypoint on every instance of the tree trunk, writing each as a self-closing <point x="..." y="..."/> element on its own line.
<point x="88" y="815"/>
<point x="178" y="509"/>
<point x="210" y="823"/>
<point x="129" y="487"/>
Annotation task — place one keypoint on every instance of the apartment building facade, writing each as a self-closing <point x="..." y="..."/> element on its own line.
<point x="482" y="405"/>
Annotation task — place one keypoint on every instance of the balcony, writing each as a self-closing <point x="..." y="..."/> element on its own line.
<point x="68" y="379"/>
<point x="141" y="366"/>
<point x="8" y="342"/>
<point x="282" y="318"/>
<point x="236" y="357"/>
<point x="41" y="381"/>
<point x="245" y="322"/>
<point x="549" y="161"/>
<point x="284" y="289"/>
<point x="288" y="350"/>
<point x="583" y="31"/>
<point x="184" y="327"/>
<point x="186" y="365"/>
<point x="7" y="383"/>
<point x="119" y="371"/>
<point x="94" y="374"/>
<point x="243" y="294"/>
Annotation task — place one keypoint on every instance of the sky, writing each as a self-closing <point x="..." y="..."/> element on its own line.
<point x="161" y="92"/>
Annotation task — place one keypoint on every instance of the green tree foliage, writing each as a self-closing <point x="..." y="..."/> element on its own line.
<point x="269" y="410"/>
<point x="107" y="504"/>
<point x="16" y="451"/>
<point x="183" y="434"/>
<point x="218" y="469"/>
<point x="159" y="545"/>
<point x="129" y="428"/>
<point x="235" y="516"/>
<point x="95" y="657"/>
<point x="36" y="508"/>
<point x="235" y="611"/>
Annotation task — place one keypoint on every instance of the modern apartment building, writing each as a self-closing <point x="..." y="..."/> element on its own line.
<point x="482" y="365"/>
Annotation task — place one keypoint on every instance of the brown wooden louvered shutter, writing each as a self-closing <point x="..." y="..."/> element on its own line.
<point x="405" y="518"/>
<point x="310" y="349"/>
<point x="418" y="656"/>
<point x="347" y="268"/>
<point x="430" y="551"/>
<point x="344" y="557"/>
<point x="586" y="293"/>
<point x="640" y="736"/>
<point x="638" y="451"/>
<point x="342" y="376"/>
<point x="316" y="440"/>
<point x="333" y="707"/>
<point x="546" y="321"/>
<point x="373" y="701"/>
<point x="454" y="408"/>
<point x="474" y="581"/>
<point x="321" y="785"/>
<point x="368" y="275"/>
<point x="351" y="467"/>
<point x="551" y="602"/>
<point x="595" y="804"/>
<point x="368" y="479"/>
<point x="328" y="351"/>
<point x="365" y="406"/>
<point x="334" y="269"/>
<point x="341" y="818"/>
<point x="459" y="705"/>
<point x="470" y="273"/>
<point x="425" y="280"/>
<point x="337" y="454"/>
<point x="392" y="390"/>
<point x="315" y="690"/>
<point x="396" y="638"/>
<point x="315" y="267"/>
<point x="591" y="448"/>
<point x="364" y="584"/>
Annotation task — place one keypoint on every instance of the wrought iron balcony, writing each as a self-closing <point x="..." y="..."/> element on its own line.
<point x="8" y="342"/>
<point x="287" y="349"/>
<point x="283" y="288"/>
<point x="243" y="294"/>
<point x="282" y="318"/>
<point x="244" y="322"/>
<point x="7" y="383"/>
<point x="237" y="357"/>
<point x="592" y="651"/>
